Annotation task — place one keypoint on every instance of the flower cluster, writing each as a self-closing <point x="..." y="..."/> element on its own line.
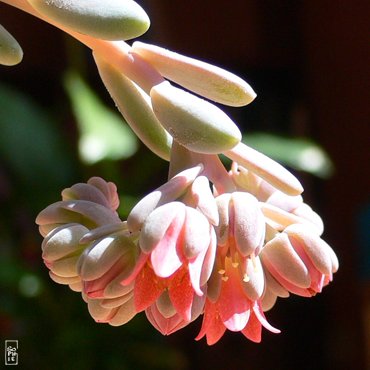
<point x="210" y="241"/>
<point x="187" y="250"/>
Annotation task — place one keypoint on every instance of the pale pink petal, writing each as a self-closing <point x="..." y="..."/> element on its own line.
<point x="248" y="224"/>
<point x="262" y="319"/>
<point x="302" y="239"/>
<point x="209" y="259"/>
<point x="280" y="254"/>
<point x="222" y="230"/>
<point x="196" y="233"/>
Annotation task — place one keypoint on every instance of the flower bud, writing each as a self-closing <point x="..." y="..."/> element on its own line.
<point x="87" y="213"/>
<point x="96" y="190"/>
<point x="99" y="258"/>
<point x="317" y="250"/>
<point x="195" y="123"/>
<point x="299" y="260"/>
<point x="168" y="192"/>
<point x="248" y="223"/>
<point x="282" y="260"/>
<point x="204" y="79"/>
<point x="115" y="316"/>
<point x="268" y="300"/>
<point x="61" y="251"/>
<point x="242" y="220"/>
<point x="280" y="219"/>
<point x="63" y="241"/>
<point x="10" y="51"/>
<point x="108" y="19"/>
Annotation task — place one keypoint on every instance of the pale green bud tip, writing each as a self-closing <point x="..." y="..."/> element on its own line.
<point x="205" y="79"/>
<point x="109" y="19"/>
<point x="10" y="51"/>
<point x="195" y="123"/>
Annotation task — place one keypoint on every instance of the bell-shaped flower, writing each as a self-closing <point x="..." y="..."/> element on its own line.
<point x="299" y="260"/>
<point x="233" y="309"/>
<point x="178" y="247"/>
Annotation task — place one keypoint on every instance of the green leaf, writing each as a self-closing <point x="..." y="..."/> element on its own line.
<point x="103" y="133"/>
<point x="299" y="153"/>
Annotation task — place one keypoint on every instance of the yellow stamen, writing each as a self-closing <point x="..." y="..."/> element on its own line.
<point x="246" y="278"/>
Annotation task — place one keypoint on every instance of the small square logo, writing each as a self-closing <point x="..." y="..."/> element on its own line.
<point x="11" y="352"/>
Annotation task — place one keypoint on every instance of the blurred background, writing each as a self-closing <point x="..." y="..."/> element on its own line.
<point x="308" y="61"/>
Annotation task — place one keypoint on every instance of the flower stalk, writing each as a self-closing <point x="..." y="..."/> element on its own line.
<point x="219" y="243"/>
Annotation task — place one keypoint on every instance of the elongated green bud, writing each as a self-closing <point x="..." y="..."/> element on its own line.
<point x="195" y="123"/>
<point x="108" y="19"/>
<point x="202" y="78"/>
<point x="10" y="51"/>
<point x="134" y="105"/>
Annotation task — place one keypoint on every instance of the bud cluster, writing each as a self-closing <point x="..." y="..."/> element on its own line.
<point x="211" y="242"/>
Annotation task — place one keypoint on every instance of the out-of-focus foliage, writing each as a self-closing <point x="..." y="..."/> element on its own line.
<point x="103" y="132"/>
<point x="29" y="142"/>
<point x="302" y="154"/>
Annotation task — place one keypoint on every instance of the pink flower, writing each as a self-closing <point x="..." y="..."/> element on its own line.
<point x="237" y="283"/>
<point x="178" y="247"/>
<point x="233" y="310"/>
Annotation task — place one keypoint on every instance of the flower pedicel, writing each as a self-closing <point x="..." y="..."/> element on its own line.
<point x="219" y="244"/>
